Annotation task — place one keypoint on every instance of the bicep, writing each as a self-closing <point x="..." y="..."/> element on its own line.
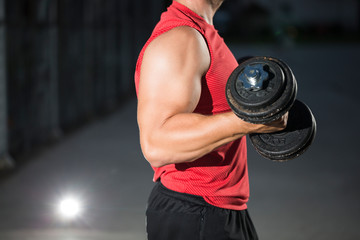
<point x="164" y="91"/>
<point x="170" y="79"/>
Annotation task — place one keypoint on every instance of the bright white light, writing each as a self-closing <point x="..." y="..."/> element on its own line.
<point x="70" y="207"/>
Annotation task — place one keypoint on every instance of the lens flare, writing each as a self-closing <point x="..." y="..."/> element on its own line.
<point x="70" y="207"/>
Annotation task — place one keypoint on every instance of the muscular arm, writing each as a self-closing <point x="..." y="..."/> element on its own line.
<point x="169" y="90"/>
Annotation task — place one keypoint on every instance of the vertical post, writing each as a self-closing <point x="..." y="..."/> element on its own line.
<point x="89" y="58"/>
<point x="110" y="47"/>
<point x="5" y="159"/>
<point x="72" y="90"/>
<point x="100" y="81"/>
<point x="358" y="16"/>
<point x="53" y="66"/>
<point x="126" y="41"/>
<point x="139" y="25"/>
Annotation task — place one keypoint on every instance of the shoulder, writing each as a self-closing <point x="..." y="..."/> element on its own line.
<point x="184" y="34"/>
<point x="181" y="44"/>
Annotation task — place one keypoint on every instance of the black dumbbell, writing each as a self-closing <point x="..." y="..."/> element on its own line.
<point x="261" y="90"/>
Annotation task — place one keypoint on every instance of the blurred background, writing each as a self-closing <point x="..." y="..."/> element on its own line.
<point x="68" y="116"/>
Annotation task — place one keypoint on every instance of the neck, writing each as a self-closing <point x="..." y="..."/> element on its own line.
<point x="204" y="8"/>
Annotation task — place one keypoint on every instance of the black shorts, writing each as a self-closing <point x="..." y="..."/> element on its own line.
<point x="178" y="216"/>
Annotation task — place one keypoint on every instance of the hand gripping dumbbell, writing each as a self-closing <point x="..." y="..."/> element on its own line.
<point x="261" y="90"/>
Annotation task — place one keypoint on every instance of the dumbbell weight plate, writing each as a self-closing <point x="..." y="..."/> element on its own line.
<point x="293" y="140"/>
<point x="272" y="89"/>
<point x="269" y="103"/>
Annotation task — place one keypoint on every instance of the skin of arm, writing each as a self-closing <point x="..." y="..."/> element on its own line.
<point x="169" y="90"/>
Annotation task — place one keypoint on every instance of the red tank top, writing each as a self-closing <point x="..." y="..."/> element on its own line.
<point x="220" y="177"/>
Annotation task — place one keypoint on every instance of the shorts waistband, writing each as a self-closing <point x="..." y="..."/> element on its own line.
<point x="199" y="200"/>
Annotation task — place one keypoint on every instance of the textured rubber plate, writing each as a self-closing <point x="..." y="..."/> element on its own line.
<point x="293" y="141"/>
<point x="268" y="104"/>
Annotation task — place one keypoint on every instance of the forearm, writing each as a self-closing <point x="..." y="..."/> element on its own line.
<point x="186" y="137"/>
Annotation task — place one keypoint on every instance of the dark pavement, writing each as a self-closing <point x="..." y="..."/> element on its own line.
<point x="316" y="196"/>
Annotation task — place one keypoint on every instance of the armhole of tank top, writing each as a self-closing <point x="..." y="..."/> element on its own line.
<point x="209" y="49"/>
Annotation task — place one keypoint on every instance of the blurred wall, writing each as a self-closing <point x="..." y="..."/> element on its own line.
<point x="343" y="13"/>
<point x="289" y="20"/>
<point x="4" y="159"/>
<point x="66" y="62"/>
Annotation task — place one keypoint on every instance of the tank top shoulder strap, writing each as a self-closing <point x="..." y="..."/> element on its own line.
<point x="170" y="23"/>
